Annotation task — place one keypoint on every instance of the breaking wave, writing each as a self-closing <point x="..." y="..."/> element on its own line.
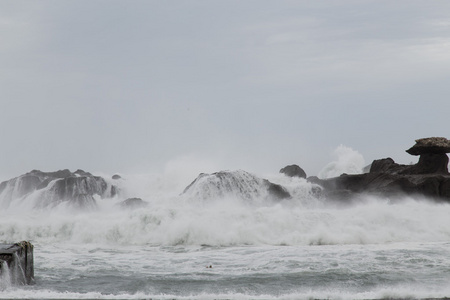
<point x="213" y="213"/>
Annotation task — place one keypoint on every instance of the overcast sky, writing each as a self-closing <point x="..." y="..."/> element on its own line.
<point x="131" y="86"/>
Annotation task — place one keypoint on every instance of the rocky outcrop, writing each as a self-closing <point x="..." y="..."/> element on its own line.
<point x="293" y="171"/>
<point x="387" y="185"/>
<point x="234" y="184"/>
<point x="429" y="177"/>
<point x="48" y="189"/>
<point x="428" y="164"/>
<point x="16" y="263"/>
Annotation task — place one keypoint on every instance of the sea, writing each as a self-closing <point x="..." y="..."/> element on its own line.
<point x="225" y="247"/>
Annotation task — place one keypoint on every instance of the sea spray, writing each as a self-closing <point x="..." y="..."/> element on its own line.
<point x="5" y="276"/>
<point x="347" y="161"/>
<point x="175" y="221"/>
<point x="301" y="247"/>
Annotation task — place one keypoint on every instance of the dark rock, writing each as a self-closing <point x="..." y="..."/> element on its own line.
<point x="429" y="177"/>
<point x="432" y="145"/>
<point x="432" y="163"/>
<point x="16" y="263"/>
<point x="313" y="179"/>
<point x="429" y="163"/>
<point x="116" y="176"/>
<point x="53" y="188"/>
<point x="436" y="186"/>
<point x="293" y="171"/>
<point x="276" y="191"/>
<point x="386" y="165"/>
<point x="133" y="203"/>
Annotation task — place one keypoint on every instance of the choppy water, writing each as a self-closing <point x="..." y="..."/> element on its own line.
<point x="240" y="272"/>
<point x="300" y="248"/>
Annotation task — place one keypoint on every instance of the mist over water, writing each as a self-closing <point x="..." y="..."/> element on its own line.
<point x="294" y="248"/>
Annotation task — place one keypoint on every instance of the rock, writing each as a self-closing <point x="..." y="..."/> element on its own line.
<point x="133" y="203"/>
<point x="116" y="176"/>
<point x="385" y="165"/>
<point x="429" y="163"/>
<point x="293" y="171"/>
<point x="52" y="188"/>
<point x="432" y="145"/>
<point x="389" y="179"/>
<point x="276" y="191"/>
<point x="432" y="163"/>
<point x="429" y="177"/>
<point x="16" y="263"/>
<point x="234" y="184"/>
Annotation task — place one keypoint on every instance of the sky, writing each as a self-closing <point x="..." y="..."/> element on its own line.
<point x="142" y="86"/>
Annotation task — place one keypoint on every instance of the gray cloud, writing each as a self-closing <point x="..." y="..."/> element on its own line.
<point x="120" y="86"/>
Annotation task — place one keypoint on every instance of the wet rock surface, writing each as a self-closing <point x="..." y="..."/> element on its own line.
<point x="52" y="188"/>
<point x="429" y="177"/>
<point x="236" y="184"/>
<point x="293" y="171"/>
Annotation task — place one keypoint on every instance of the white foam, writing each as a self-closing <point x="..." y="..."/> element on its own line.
<point x="171" y="221"/>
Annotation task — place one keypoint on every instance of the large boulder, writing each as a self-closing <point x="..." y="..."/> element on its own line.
<point x="48" y="189"/>
<point x="234" y="184"/>
<point x="293" y="171"/>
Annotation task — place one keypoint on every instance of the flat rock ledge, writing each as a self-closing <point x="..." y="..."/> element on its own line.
<point x="16" y="263"/>
<point x="431" y="145"/>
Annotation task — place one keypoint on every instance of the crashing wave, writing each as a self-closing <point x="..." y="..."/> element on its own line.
<point x="49" y="189"/>
<point x="234" y="184"/>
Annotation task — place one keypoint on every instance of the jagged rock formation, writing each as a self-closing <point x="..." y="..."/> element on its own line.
<point x="429" y="177"/>
<point x="293" y="171"/>
<point x="236" y="184"/>
<point x="48" y="189"/>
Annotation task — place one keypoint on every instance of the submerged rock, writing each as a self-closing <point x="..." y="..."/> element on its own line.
<point x="48" y="189"/>
<point x="132" y="203"/>
<point x="235" y="184"/>
<point x="293" y="171"/>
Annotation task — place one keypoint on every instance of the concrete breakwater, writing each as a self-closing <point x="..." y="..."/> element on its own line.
<point x="16" y="264"/>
